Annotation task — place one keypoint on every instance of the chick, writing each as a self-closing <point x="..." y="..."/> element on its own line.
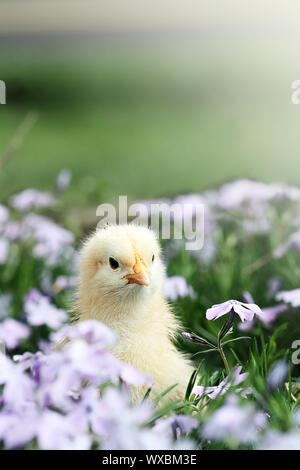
<point x="121" y="278"/>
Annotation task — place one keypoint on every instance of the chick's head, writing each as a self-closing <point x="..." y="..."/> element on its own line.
<point x="122" y="261"/>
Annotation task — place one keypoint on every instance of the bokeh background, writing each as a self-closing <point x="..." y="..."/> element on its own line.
<point x="147" y="99"/>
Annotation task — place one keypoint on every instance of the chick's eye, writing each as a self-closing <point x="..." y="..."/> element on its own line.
<point x="153" y="258"/>
<point x="113" y="263"/>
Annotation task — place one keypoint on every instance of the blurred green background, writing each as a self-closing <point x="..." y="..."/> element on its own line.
<point x="150" y="111"/>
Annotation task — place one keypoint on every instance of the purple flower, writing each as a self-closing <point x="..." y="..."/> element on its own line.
<point x="63" y="180"/>
<point x="176" y="286"/>
<point x="92" y="331"/>
<point x="176" y="426"/>
<point x="52" y="241"/>
<point x="87" y="351"/>
<point x="274" y="440"/>
<point x="269" y="314"/>
<point x="40" y="311"/>
<point x="290" y="297"/>
<point x="273" y="286"/>
<point x="278" y="375"/>
<point x="54" y="398"/>
<point x="217" y="391"/>
<point x="187" y="335"/>
<point x="132" y="376"/>
<point x="31" y="199"/>
<point x="13" y="230"/>
<point x="57" y="432"/>
<point x="18" y="388"/>
<point x="12" y="332"/>
<point x="64" y="282"/>
<point x="234" y="422"/>
<point x="121" y="426"/>
<point x="244" y="310"/>
<point x="18" y="428"/>
<point x="91" y="362"/>
<point x="242" y="193"/>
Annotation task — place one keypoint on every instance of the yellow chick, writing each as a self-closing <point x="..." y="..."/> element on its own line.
<point x="121" y="279"/>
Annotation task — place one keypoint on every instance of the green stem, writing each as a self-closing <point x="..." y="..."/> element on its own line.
<point x="220" y="349"/>
<point x="222" y="333"/>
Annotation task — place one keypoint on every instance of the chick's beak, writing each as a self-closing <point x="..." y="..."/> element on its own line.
<point x="141" y="273"/>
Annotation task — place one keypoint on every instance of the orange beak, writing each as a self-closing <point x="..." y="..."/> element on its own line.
<point x="141" y="273"/>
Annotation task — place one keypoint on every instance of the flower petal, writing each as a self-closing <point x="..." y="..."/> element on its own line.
<point x="243" y="312"/>
<point x="218" y="311"/>
<point x="255" y="308"/>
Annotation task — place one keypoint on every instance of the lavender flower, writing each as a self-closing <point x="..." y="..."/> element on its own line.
<point x="63" y="180"/>
<point x="244" y="310"/>
<point x="290" y="297"/>
<point x="120" y="425"/>
<point x="31" y="199"/>
<point x="176" y="286"/>
<point x="64" y="282"/>
<point x="176" y="426"/>
<point x="269" y="314"/>
<point x="92" y="331"/>
<point x="18" y="390"/>
<point x="52" y="241"/>
<point x="18" y="428"/>
<point x="273" y="286"/>
<point x="130" y="375"/>
<point x="234" y="422"/>
<point x="232" y="380"/>
<point x="56" y="397"/>
<point x="274" y="440"/>
<point x="58" y="432"/>
<point x="12" y="332"/>
<point x="278" y="375"/>
<point x="12" y="230"/>
<point x="243" y="192"/>
<point x="40" y="311"/>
